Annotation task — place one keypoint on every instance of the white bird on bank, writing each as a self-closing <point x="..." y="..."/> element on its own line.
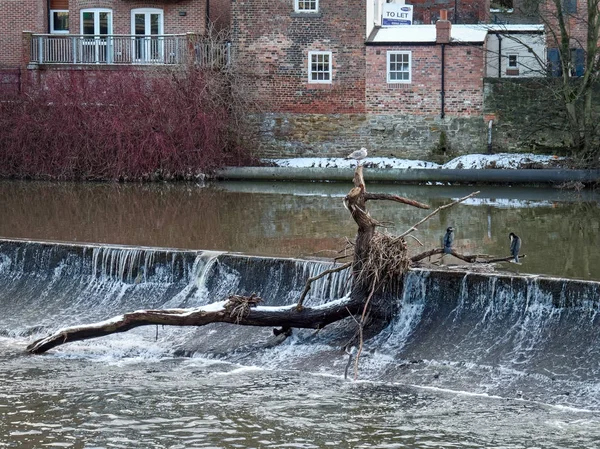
<point x="359" y="155"/>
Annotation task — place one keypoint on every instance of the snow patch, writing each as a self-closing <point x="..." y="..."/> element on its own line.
<point x="468" y="161"/>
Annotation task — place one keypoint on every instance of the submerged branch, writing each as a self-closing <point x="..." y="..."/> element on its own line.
<point x="219" y="312"/>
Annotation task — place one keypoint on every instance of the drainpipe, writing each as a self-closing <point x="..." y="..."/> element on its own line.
<point x="489" y="142"/>
<point x="443" y="31"/>
<point x="456" y="11"/>
<point x="443" y="90"/>
<point x="207" y="25"/>
<point x="499" y="56"/>
<point x="49" y="16"/>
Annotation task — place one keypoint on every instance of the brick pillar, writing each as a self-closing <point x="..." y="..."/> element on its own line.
<point x="443" y="28"/>
<point x="25" y="77"/>
<point x="26" y="49"/>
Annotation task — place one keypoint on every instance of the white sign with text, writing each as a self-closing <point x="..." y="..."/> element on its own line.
<point x="394" y="14"/>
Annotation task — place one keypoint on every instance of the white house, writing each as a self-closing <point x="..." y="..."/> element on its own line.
<point x="515" y="51"/>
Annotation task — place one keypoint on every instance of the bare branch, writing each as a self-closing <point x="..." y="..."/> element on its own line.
<point x="309" y="282"/>
<point x="219" y="312"/>
<point x="469" y="258"/>
<point x="398" y="199"/>
<point x="445" y="206"/>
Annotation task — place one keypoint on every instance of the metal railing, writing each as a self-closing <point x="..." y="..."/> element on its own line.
<point x="127" y="49"/>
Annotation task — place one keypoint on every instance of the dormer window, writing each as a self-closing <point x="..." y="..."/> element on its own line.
<point x="306" y="5"/>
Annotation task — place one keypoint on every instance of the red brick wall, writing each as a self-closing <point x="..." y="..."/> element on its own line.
<point x="272" y="45"/>
<point x="464" y="71"/>
<point x="467" y="11"/>
<point x="220" y="13"/>
<point x="32" y="15"/>
<point x="18" y="16"/>
<point x="193" y="21"/>
<point x="576" y="24"/>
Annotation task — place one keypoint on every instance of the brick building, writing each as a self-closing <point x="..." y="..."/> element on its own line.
<point x="104" y="17"/>
<point x="459" y="11"/>
<point x="19" y="15"/>
<point x="332" y="77"/>
<point x="429" y="70"/>
<point x="308" y="56"/>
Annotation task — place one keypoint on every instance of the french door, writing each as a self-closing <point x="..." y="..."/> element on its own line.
<point x="96" y="26"/>
<point x="147" y="26"/>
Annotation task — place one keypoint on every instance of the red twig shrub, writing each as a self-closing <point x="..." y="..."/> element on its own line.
<point x="119" y="125"/>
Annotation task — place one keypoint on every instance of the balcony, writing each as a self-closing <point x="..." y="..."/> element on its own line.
<point x="167" y="49"/>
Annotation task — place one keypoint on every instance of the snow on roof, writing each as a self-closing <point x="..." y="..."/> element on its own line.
<point x="459" y="33"/>
<point x="508" y="28"/>
<point x="426" y="33"/>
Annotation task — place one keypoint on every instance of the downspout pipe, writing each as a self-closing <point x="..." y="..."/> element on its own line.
<point x="443" y="86"/>
<point x="207" y="24"/>
<point x="499" y="56"/>
<point x="49" y="14"/>
<point x="456" y="12"/>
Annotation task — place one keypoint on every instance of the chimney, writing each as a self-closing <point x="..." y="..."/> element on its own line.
<point x="442" y="28"/>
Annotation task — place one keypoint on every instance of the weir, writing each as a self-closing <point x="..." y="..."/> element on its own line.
<point x="489" y="333"/>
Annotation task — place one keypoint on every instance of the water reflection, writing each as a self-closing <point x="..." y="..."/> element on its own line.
<point x="560" y="229"/>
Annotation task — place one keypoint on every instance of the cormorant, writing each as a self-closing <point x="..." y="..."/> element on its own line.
<point x="515" y="246"/>
<point x="448" y="240"/>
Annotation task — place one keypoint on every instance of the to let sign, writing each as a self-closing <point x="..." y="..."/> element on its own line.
<point x="394" y="14"/>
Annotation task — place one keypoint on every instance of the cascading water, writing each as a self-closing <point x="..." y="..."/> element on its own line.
<point x="468" y="360"/>
<point x="485" y="333"/>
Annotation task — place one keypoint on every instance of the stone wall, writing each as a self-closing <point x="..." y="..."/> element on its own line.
<point x="526" y="117"/>
<point x="527" y="114"/>
<point x="398" y="135"/>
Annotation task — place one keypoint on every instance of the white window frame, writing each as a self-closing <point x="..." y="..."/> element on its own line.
<point x="328" y="71"/>
<point x="96" y="12"/>
<point x="147" y="11"/>
<point x="516" y="66"/>
<point x="52" y="30"/>
<point x="388" y="65"/>
<point x="297" y="4"/>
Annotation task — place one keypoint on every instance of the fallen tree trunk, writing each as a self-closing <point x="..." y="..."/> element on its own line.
<point x="378" y="259"/>
<point x="246" y="311"/>
<point x="219" y="312"/>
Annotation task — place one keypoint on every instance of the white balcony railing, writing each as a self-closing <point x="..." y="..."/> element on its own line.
<point x="127" y="49"/>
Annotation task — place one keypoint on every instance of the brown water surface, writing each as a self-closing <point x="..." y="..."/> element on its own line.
<point x="560" y="229"/>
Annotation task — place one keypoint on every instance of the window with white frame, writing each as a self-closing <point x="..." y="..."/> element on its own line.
<point x="319" y="66"/>
<point x="96" y="21"/>
<point x="306" y="5"/>
<point x="399" y="67"/>
<point x="513" y="61"/>
<point x="59" y="21"/>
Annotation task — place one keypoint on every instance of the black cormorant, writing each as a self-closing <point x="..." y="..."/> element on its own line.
<point x="448" y="240"/>
<point x="515" y="246"/>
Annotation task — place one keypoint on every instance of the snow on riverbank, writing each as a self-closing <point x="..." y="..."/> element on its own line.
<point x="468" y="161"/>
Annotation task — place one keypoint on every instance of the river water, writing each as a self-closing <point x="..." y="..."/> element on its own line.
<point x="560" y="229"/>
<point x="487" y="371"/>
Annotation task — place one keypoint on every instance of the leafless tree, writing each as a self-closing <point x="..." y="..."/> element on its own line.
<point x="570" y="70"/>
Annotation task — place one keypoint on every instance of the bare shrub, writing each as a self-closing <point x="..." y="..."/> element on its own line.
<point x="121" y="125"/>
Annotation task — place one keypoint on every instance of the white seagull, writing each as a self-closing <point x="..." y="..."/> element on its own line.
<point x="358" y="154"/>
